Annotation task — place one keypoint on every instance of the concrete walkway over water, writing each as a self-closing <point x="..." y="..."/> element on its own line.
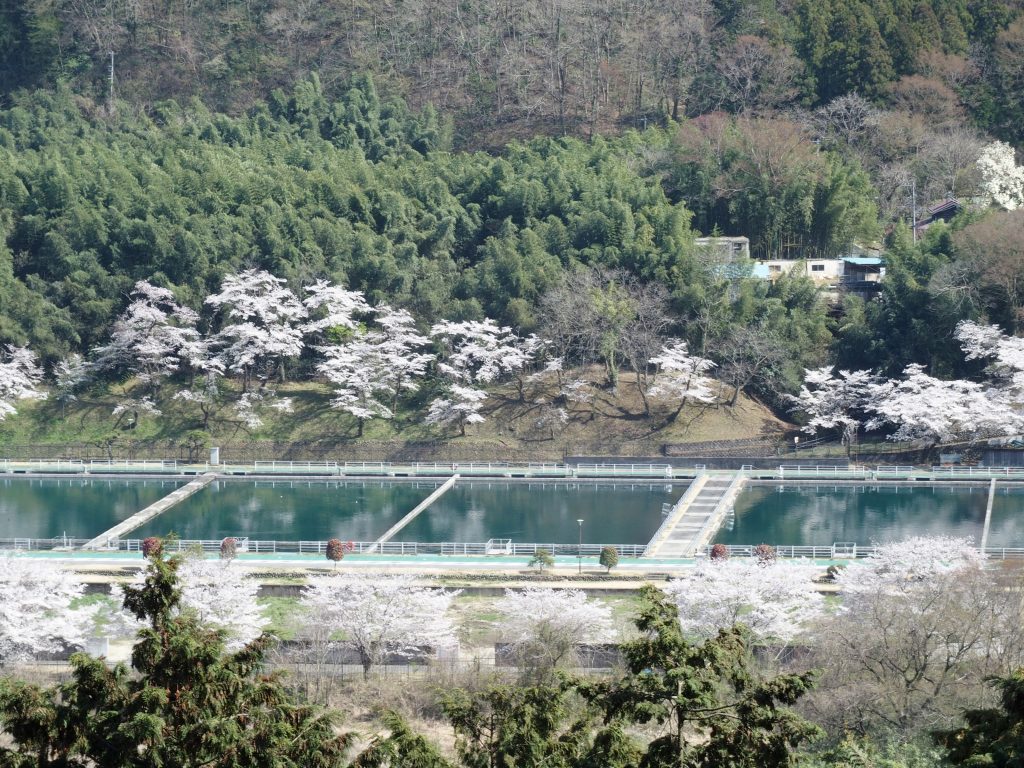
<point x="147" y="514"/>
<point x="415" y="512"/>
<point x="696" y="516"/>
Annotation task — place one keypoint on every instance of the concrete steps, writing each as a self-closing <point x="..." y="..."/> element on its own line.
<point x="696" y="519"/>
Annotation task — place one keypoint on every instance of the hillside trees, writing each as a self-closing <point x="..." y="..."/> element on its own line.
<point x="767" y="179"/>
<point x="20" y="376"/>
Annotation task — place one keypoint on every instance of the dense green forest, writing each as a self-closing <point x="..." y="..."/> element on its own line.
<point x="464" y="160"/>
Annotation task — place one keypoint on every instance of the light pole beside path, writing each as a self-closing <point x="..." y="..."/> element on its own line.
<point x="579" y="549"/>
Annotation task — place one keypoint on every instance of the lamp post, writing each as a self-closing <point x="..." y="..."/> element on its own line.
<point x="579" y="549"/>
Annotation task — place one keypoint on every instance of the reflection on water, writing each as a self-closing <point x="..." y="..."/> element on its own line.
<point x="620" y="513"/>
<point x="824" y="514"/>
<point x="44" y="508"/>
<point x="291" y="510"/>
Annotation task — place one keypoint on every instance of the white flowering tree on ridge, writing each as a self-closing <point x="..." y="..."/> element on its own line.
<point x="150" y="338"/>
<point x="922" y="407"/>
<point x="20" y="376"/>
<point x="1001" y="178"/>
<point x="381" y="616"/>
<point x="834" y="401"/>
<point x="682" y="376"/>
<point x="475" y="353"/>
<point x="371" y="368"/>
<point x="262" y="324"/>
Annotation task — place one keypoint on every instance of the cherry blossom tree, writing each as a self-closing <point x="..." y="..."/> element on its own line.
<point x="332" y="306"/>
<point x="681" y="376"/>
<point x="776" y="600"/>
<point x="370" y="370"/>
<point x="130" y="409"/>
<point x="149" y="337"/>
<point x="461" y="407"/>
<point x="204" y="395"/>
<point x="382" y="616"/>
<point x="899" y="566"/>
<point x="482" y="351"/>
<point x="206" y="369"/>
<point x="69" y="375"/>
<point x="250" y="406"/>
<point x="835" y="401"/>
<point x="36" y="613"/>
<point x="20" y="375"/>
<point x="1005" y="355"/>
<point x="1001" y="178"/>
<point x="223" y="598"/>
<point x="357" y="373"/>
<point x="922" y="624"/>
<point x="400" y="347"/>
<point x="263" y="323"/>
<point x="476" y="352"/>
<point x="922" y="407"/>
<point x="544" y="626"/>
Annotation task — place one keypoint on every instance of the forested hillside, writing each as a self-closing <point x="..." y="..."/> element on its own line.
<point x="476" y="160"/>
<point x="519" y="68"/>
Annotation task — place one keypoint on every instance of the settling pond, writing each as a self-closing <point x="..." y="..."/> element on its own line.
<point x="43" y="508"/>
<point x="525" y="512"/>
<point x="469" y="512"/>
<point x="821" y="515"/>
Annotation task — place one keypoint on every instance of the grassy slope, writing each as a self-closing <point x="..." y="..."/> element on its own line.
<point x="612" y="424"/>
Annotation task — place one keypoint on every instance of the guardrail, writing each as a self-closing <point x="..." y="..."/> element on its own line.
<point x="554" y="471"/>
<point x="839" y="551"/>
<point x="253" y="546"/>
<point x="984" y="472"/>
<point x="843" y="551"/>
<point x="622" y="470"/>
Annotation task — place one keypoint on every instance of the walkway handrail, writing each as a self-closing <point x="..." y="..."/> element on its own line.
<point x="670" y="521"/>
<point x="714" y="520"/>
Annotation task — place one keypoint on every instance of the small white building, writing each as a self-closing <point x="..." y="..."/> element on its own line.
<point x="852" y="274"/>
<point x="819" y="270"/>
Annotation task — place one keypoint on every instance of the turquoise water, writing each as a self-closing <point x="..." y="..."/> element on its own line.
<point x="822" y="514"/>
<point x="290" y="510"/>
<point x="543" y="513"/>
<point x="79" y="508"/>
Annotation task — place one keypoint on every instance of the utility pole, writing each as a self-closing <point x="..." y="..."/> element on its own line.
<point x="110" y="97"/>
<point x="913" y="208"/>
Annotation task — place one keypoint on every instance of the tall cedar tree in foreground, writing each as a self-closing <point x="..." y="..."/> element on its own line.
<point x="189" y="703"/>
<point x="712" y="708"/>
<point x="992" y="737"/>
